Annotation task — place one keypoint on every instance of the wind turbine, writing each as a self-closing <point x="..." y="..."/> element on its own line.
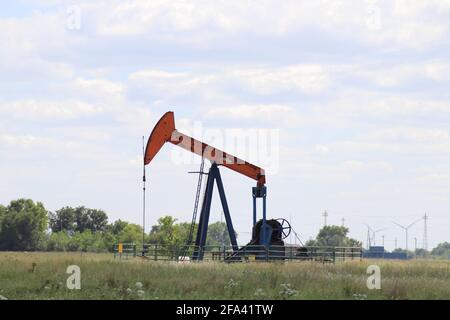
<point x="374" y="232"/>
<point x="406" y="229"/>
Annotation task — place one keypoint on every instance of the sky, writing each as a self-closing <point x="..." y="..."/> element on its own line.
<point x="353" y="95"/>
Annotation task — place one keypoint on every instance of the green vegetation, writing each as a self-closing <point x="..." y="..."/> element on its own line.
<point x="28" y="226"/>
<point x="23" y="225"/>
<point x="334" y="236"/>
<point x="43" y="276"/>
<point x="442" y="250"/>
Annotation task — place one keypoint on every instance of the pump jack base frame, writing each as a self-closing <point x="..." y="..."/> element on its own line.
<point x="200" y="241"/>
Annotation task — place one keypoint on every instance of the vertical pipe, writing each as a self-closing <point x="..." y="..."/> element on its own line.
<point x="254" y="208"/>
<point x="264" y="216"/>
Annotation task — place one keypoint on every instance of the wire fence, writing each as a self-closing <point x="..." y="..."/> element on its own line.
<point x="249" y="253"/>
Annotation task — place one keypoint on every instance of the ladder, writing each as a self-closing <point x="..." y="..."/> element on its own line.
<point x="196" y="204"/>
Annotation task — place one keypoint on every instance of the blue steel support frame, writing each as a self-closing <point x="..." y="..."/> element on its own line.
<point x="261" y="192"/>
<point x="213" y="175"/>
<point x="254" y="210"/>
<point x="226" y="211"/>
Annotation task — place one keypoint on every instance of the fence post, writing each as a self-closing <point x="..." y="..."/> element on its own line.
<point x="155" y="252"/>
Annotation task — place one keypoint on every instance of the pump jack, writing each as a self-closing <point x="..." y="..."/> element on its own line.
<point x="165" y="131"/>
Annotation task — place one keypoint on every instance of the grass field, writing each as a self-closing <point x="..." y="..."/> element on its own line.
<point x="43" y="276"/>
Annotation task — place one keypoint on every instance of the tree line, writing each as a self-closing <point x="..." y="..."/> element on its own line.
<point x="26" y="225"/>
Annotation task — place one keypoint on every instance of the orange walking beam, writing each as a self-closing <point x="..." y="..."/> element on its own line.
<point x="165" y="131"/>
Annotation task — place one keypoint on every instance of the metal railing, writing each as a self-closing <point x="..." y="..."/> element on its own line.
<point x="257" y="253"/>
<point x="124" y="250"/>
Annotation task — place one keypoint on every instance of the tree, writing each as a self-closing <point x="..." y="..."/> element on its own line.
<point x="184" y="228"/>
<point x="165" y="232"/>
<point x="58" y="241"/>
<point x="132" y="233"/>
<point x="116" y="227"/>
<point x="334" y="236"/>
<point x="421" y="253"/>
<point x="98" y="220"/>
<point x="218" y="235"/>
<point x="441" y="250"/>
<point x="81" y="219"/>
<point x="63" y="220"/>
<point x="23" y="225"/>
<point x="2" y="214"/>
<point x="90" y="219"/>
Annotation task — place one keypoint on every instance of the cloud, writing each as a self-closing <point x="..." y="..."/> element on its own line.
<point x="170" y="83"/>
<point x="406" y="23"/>
<point x="410" y="135"/>
<point x="357" y="88"/>
<point x="97" y="87"/>
<point x="436" y="177"/>
<point x="34" y="145"/>
<point x="404" y="74"/>
<point x="309" y="79"/>
<point x="276" y="115"/>
<point x="36" y="110"/>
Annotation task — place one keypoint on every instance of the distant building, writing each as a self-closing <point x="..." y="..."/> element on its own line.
<point x="378" y="252"/>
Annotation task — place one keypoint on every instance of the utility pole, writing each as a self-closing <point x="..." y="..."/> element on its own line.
<point x="144" y="179"/>
<point x="368" y="238"/>
<point x="415" y="247"/>
<point x="290" y="222"/>
<point x="325" y="215"/>
<point x="343" y="222"/>
<point x="382" y="237"/>
<point x="425" y="232"/>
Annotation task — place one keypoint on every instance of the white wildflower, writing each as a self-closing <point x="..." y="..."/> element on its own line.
<point x="140" y="293"/>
